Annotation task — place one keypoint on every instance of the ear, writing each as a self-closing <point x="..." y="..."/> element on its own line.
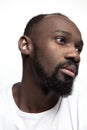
<point x="25" y="45"/>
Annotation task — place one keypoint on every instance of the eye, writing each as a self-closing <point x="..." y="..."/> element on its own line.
<point x="61" y="40"/>
<point x="79" y="49"/>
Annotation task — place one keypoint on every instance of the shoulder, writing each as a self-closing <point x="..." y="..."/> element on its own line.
<point x="4" y="92"/>
<point x="72" y="101"/>
<point x="4" y="98"/>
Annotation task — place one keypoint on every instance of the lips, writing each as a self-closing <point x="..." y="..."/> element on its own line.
<point x="70" y="71"/>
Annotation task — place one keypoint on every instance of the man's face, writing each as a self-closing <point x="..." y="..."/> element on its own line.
<point x="57" y="46"/>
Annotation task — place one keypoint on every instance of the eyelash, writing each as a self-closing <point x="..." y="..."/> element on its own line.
<point x="79" y="49"/>
<point x="62" y="40"/>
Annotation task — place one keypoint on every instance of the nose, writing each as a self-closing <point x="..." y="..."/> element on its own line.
<point x="72" y="54"/>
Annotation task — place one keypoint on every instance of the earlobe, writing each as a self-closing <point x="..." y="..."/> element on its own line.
<point x="25" y="45"/>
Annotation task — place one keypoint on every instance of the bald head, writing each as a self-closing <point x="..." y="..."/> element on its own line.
<point x="43" y="20"/>
<point x="36" y="20"/>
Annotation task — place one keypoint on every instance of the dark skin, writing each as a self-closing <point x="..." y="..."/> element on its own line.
<point x="58" y="40"/>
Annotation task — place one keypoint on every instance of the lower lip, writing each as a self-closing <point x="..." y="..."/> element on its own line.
<point x="68" y="72"/>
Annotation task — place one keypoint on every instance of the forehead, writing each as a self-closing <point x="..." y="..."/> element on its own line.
<point x="51" y="23"/>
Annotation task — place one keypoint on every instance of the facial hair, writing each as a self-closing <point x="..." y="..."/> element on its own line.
<point x="54" y="83"/>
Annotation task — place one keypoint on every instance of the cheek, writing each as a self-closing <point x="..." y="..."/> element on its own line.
<point x="49" y="58"/>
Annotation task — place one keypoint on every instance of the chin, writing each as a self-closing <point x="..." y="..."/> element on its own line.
<point x="62" y="86"/>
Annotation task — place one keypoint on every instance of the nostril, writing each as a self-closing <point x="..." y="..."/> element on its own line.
<point x="75" y="59"/>
<point x="73" y="56"/>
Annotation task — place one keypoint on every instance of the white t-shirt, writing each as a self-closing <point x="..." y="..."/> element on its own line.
<point x="63" y="116"/>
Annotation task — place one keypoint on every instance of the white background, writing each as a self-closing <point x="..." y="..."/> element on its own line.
<point x="14" y="14"/>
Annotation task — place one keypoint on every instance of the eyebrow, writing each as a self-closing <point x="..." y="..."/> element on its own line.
<point x="81" y="42"/>
<point x="61" y="31"/>
<point x="65" y="32"/>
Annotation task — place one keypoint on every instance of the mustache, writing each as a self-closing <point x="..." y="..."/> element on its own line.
<point x="66" y="64"/>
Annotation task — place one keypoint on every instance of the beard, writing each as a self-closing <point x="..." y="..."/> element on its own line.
<point x="61" y="87"/>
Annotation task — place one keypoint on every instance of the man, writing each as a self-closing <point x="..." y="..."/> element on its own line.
<point x="50" y="48"/>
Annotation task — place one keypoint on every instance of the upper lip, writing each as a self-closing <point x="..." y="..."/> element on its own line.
<point x="71" y="68"/>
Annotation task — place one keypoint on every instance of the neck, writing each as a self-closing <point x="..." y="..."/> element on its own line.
<point x="32" y="99"/>
<point x="29" y="94"/>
